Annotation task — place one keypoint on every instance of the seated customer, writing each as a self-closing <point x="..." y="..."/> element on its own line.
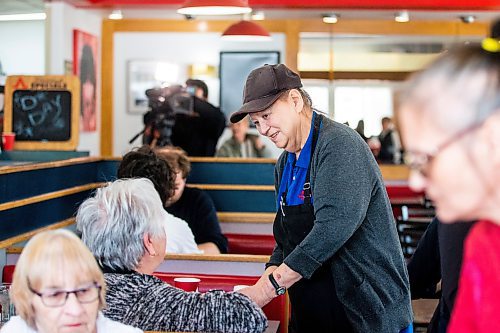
<point x="242" y="144"/>
<point x="438" y="258"/>
<point x="123" y="226"/>
<point x="144" y="162"/>
<point x="193" y="205"/>
<point x="58" y="287"/>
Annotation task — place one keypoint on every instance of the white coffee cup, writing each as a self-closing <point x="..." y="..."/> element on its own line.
<point x="239" y="287"/>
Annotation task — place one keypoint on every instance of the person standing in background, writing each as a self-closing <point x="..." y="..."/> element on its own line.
<point x="390" y="144"/>
<point x="198" y="132"/>
<point x="242" y="143"/>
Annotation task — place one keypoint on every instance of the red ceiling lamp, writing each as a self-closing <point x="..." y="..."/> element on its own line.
<point x="246" y="31"/>
<point x="214" y="7"/>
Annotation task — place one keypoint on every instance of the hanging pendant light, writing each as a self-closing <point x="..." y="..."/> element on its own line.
<point x="214" y="7"/>
<point x="246" y="31"/>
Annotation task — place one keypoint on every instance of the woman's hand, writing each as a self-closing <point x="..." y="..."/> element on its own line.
<point x="263" y="291"/>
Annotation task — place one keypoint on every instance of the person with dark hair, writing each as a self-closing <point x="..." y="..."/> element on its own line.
<point x="438" y="257"/>
<point x="360" y="128"/>
<point x="198" y="132"/>
<point x="145" y="163"/>
<point x="193" y="205"/>
<point x="390" y="144"/>
<point x="337" y="249"/>
<point x="200" y="88"/>
<point x="88" y="89"/>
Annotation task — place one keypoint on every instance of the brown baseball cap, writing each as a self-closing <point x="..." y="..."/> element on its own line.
<point x="263" y="87"/>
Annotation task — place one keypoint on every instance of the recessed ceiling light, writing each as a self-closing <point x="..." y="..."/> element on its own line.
<point x="402" y="16"/>
<point x="214" y="7"/>
<point x="330" y="18"/>
<point x="23" y="17"/>
<point x="116" y="15"/>
<point x="468" y="18"/>
<point x="258" y="16"/>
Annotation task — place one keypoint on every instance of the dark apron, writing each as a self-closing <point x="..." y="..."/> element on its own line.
<point x="315" y="306"/>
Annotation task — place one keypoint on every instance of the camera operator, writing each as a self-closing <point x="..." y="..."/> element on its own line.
<point x="198" y="132"/>
<point x="160" y="120"/>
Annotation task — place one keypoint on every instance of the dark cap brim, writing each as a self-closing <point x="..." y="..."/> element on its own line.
<point x="256" y="105"/>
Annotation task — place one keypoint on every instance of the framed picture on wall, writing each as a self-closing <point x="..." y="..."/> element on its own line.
<point x="146" y="74"/>
<point x="85" y="64"/>
<point x="233" y="71"/>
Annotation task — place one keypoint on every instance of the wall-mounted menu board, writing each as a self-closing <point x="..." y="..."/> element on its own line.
<point x="43" y="111"/>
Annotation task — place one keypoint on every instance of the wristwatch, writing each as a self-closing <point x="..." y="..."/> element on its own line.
<point x="280" y="290"/>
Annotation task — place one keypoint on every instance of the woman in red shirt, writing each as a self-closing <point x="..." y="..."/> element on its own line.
<point x="450" y="121"/>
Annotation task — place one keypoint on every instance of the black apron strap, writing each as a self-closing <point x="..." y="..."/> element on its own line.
<point x="307" y="184"/>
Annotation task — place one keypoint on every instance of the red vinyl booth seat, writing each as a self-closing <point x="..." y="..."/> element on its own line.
<point x="277" y="309"/>
<point x="250" y="244"/>
<point x="402" y="191"/>
<point x="8" y="273"/>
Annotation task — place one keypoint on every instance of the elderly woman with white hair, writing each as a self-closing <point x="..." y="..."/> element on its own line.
<point x="450" y="121"/>
<point x="58" y="287"/>
<point x="122" y="226"/>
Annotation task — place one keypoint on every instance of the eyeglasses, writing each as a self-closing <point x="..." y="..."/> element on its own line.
<point x="421" y="162"/>
<point x="56" y="298"/>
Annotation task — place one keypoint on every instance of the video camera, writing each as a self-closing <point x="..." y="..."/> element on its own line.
<point x="165" y="103"/>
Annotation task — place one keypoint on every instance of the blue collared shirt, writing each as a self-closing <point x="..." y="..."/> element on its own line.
<point x="294" y="174"/>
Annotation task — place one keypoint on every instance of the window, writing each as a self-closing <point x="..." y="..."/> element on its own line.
<point x="351" y="101"/>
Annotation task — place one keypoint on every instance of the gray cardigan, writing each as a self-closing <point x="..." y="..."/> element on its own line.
<point x="146" y="302"/>
<point x="353" y="224"/>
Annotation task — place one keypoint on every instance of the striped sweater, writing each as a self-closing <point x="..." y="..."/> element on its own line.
<point x="147" y="302"/>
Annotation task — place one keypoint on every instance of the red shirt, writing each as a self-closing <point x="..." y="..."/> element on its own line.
<point x="477" y="307"/>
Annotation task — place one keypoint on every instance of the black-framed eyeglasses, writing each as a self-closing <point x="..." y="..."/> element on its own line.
<point x="421" y="162"/>
<point x="56" y="298"/>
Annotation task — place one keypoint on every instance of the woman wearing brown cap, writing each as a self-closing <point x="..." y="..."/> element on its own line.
<point x="337" y="248"/>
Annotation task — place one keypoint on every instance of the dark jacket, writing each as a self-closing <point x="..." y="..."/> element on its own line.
<point x="438" y="257"/>
<point x="354" y="226"/>
<point x="198" y="135"/>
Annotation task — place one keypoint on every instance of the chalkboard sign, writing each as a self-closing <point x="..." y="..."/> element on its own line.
<point x="43" y="111"/>
<point x="41" y="115"/>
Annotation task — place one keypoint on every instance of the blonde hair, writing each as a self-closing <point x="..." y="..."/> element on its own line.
<point x="47" y="257"/>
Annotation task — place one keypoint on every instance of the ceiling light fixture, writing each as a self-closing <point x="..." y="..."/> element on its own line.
<point x="402" y="17"/>
<point x="116" y="15"/>
<point x="246" y="31"/>
<point x="258" y="16"/>
<point x="23" y="17"/>
<point x="214" y="7"/>
<point x="468" y="18"/>
<point x="330" y="18"/>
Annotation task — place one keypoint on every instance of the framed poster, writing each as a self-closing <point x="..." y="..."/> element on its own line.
<point x="146" y="74"/>
<point x="85" y="67"/>
<point x="233" y="71"/>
